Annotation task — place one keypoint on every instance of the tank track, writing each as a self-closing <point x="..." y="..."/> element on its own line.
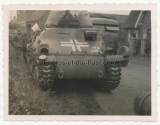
<point x="42" y="75"/>
<point x="46" y="76"/>
<point x="113" y="77"/>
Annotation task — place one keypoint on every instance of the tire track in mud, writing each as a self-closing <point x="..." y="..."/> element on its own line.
<point x="65" y="100"/>
<point x="91" y="106"/>
<point x="74" y="98"/>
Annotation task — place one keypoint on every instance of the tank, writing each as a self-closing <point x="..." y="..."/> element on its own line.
<point x="70" y="48"/>
<point x="108" y="24"/>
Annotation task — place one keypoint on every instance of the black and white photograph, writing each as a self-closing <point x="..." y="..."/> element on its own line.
<point x="80" y="62"/>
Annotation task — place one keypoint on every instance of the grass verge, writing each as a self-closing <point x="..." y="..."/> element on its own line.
<point x="25" y="96"/>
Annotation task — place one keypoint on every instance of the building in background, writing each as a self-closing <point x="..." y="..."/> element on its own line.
<point x="121" y="20"/>
<point x="27" y="18"/>
<point x="39" y="17"/>
<point x="138" y="27"/>
<point x="13" y="26"/>
<point x="23" y="16"/>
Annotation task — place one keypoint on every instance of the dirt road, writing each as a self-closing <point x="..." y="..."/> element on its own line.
<point x="79" y="98"/>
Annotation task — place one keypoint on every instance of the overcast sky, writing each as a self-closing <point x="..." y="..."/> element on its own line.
<point x="12" y="13"/>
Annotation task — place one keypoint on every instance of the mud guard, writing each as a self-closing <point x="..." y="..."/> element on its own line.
<point x="111" y="58"/>
<point x="125" y="49"/>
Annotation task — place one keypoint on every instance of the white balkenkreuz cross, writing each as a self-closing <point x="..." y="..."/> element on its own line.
<point x="75" y="46"/>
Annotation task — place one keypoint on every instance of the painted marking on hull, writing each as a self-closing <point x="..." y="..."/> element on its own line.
<point x="79" y="43"/>
<point x="79" y="47"/>
<point x="70" y="42"/>
<point x="76" y="46"/>
<point x="73" y="46"/>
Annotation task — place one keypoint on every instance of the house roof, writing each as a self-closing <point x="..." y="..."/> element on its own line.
<point x="14" y="20"/>
<point x="37" y="15"/>
<point x="13" y="24"/>
<point x="132" y="19"/>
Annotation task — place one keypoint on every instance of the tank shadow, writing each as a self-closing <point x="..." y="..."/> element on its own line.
<point x="74" y="97"/>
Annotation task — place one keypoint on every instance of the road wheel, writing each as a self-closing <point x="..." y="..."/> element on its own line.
<point x="142" y="103"/>
<point x="37" y="79"/>
<point x="36" y="74"/>
<point x="111" y="82"/>
<point x="124" y="63"/>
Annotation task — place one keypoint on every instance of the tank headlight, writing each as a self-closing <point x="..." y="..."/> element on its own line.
<point x="44" y="51"/>
<point x="123" y="50"/>
<point x="42" y="57"/>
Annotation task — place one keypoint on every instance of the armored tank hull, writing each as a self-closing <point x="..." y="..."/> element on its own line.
<point x="73" y="50"/>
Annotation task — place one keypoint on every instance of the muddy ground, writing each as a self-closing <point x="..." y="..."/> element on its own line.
<point x="80" y="98"/>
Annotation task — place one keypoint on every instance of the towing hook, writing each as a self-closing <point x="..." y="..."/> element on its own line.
<point x="60" y="75"/>
<point x="100" y="74"/>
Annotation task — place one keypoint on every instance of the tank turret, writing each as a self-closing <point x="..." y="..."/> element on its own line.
<point x="69" y="18"/>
